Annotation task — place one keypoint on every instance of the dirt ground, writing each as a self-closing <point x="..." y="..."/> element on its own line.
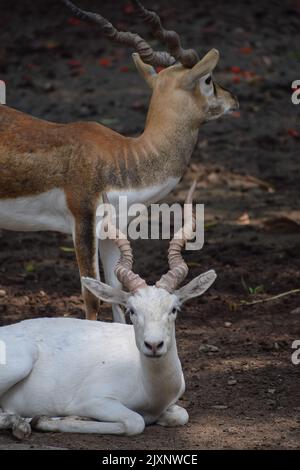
<point x="242" y="390"/>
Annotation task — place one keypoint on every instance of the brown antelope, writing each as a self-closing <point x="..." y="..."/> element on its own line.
<point x="52" y="176"/>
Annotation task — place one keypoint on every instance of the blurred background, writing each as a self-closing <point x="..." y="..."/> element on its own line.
<point x="242" y="389"/>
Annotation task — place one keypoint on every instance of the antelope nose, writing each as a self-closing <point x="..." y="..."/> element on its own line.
<point x="154" y="347"/>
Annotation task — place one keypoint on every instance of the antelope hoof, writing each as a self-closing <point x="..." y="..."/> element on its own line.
<point x="21" y="429"/>
<point x="174" y="416"/>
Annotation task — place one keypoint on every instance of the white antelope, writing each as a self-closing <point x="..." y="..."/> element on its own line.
<point x="52" y="176"/>
<point x="73" y="375"/>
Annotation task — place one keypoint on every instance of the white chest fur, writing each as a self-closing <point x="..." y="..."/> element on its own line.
<point x="148" y="195"/>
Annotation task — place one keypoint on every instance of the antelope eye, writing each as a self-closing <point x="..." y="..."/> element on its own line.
<point x="174" y="311"/>
<point x="208" y="80"/>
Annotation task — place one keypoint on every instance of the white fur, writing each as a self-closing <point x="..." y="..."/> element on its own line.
<point x="145" y="196"/>
<point x="49" y="211"/>
<point x="46" y="211"/>
<point x="66" y="367"/>
<point x="122" y="376"/>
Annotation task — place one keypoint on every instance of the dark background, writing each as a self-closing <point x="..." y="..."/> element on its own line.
<point x="244" y="393"/>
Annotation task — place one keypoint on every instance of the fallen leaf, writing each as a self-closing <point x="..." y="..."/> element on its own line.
<point x="124" y="69"/>
<point x="231" y="381"/>
<point x="232" y="306"/>
<point x="67" y="249"/>
<point x="32" y="66"/>
<point x="208" y="348"/>
<point x="193" y="264"/>
<point x="109" y="121"/>
<point x="267" y="60"/>
<point x="73" y="21"/>
<point x="244" y="219"/>
<point x="248" y="74"/>
<point x="246" y="50"/>
<point x="105" y="62"/>
<point x="138" y="104"/>
<point x="235" y="69"/>
<point x="52" y="44"/>
<point x="128" y="9"/>
<point x="74" y="63"/>
<point x="296" y="311"/>
<point x="29" y="268"/>
<point x="293" y="133"/>
<point x="209" y="29"/>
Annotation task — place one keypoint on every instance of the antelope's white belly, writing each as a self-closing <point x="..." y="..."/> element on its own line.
<point x="49" y="211"/>
<point x="46" y="211"/>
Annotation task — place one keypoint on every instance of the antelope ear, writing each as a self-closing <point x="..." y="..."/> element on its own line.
<point x="203" y="67"/>
<point x="145" y="70"/>
<point x="196" y="287"/>
<point x="105" y="292"/>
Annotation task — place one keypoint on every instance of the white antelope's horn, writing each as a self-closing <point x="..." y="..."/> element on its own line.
<point x="178" y="267"/>
<point x="123" y="269"/>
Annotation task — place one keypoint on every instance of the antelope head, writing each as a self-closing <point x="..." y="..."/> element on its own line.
<point x="153" y="309"/>
<point x="186" y="85"/>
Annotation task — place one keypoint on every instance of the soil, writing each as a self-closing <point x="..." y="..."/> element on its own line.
<point x="242" y="391"/>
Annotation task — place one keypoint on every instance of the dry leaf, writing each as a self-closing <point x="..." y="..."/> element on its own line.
<point x="244" y="219"/>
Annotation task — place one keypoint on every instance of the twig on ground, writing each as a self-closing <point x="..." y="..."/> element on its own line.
<point x="269" y="299"/>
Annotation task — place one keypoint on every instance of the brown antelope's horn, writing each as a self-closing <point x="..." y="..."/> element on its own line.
<point x="123" y="269"/>
<point x="126" y="38"/>
<point x="178" y="267"/>
<point x="187" y="57"/>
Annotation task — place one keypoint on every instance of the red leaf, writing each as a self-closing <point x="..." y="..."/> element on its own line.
<point x="209" y="29"/>
<point x="128" y="9"/>
<point x="246" y="50"/>
<point x="74" y="63"/>
<point x="74" y="21"/>
<point x="248" y="74"/>
<point x="105" y="62"/>
<point x="124" y="69"/>
<point x="236" y="79"/>
<point x="293" y="133"/>
<point x="32" y="66"/>
<point x="235" y="69"/>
